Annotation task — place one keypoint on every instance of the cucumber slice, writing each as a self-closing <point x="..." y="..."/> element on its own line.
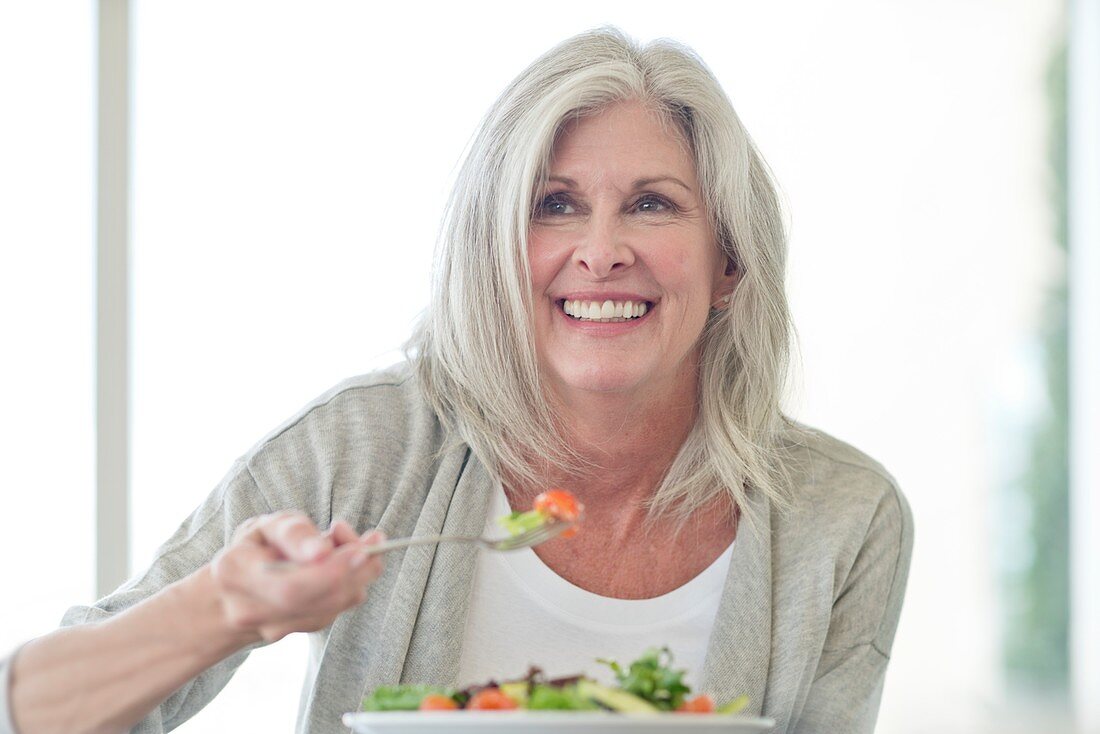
<point x="734" y="706"/>
<point x="615" y="699"/>
<point x="516" y="690"/>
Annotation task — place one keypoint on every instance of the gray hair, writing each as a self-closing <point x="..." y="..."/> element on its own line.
<point x="475" y="349"/>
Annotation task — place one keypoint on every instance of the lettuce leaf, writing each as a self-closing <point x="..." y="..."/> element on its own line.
<point x="521" y="522"/>
<point x="652" y="678"/>
<point x="567" y="698"/>
<point x="400" y="698"/>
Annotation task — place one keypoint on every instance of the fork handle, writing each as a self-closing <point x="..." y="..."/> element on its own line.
<point x="396" y="543"/>
<point x="385" y="547"/>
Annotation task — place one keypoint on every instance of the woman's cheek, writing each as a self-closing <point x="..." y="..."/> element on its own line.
<point x="546" y="259"/>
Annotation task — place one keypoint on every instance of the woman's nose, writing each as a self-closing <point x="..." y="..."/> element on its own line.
<point x="603" y="248"/>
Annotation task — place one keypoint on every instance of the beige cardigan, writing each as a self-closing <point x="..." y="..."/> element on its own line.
<point x="804" y="628"/>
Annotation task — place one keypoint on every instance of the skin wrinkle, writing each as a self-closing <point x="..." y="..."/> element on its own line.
<point x="641" y="183"/>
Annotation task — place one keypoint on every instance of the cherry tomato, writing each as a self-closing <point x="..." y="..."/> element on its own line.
<point x="702" y="704"/>
<point x="491" y="699"/>
<point x="560" y="505"/>
<point x="437" y="702"/>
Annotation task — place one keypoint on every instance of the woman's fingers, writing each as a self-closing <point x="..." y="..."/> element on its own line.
<point x="372" y="537"/>
<point x="341" y="533"/>
<point x="352" y="569"/>
<point x="261" y="593"/>
<point x="349" y="595"/>
<point x="295" y="536"/>
<point x="366" y="569"/>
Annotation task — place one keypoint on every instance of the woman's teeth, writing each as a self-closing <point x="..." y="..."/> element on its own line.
<point x="605" y="312"/>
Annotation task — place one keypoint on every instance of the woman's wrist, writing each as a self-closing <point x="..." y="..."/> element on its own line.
<point x="197" y="607"/>
<point x="108" y="675"/>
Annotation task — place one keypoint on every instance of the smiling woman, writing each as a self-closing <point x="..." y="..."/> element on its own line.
<point x="608" y="317"/>
<point x="618" y="227"/>
<point x="591" y="177"/>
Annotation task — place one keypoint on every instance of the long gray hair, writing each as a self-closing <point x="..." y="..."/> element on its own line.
<point x="475" y="349"/>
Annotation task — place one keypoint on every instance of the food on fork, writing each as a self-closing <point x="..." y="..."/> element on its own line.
<point x="554" y="505"/>
<point x="648" y="686"/>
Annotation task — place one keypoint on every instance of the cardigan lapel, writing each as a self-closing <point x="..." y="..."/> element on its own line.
<point x="436" y="644"/>
<point x="739" y="651"/>
<point x="368" y="647"/>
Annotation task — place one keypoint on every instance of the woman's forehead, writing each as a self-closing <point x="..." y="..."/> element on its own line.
<point x="626" y="140"/>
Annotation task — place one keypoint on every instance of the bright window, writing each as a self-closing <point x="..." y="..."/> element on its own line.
<point x="47" y="313"/>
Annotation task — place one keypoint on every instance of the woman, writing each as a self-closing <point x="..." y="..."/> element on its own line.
<point x="608" y="316"/>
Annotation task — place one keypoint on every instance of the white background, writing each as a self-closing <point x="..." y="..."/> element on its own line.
<point x="291" y="161"/>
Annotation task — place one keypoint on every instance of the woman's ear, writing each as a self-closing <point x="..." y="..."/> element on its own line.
<point x="727" y="282"/>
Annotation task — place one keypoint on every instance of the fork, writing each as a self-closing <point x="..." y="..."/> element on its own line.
<point x="526" y="539"/>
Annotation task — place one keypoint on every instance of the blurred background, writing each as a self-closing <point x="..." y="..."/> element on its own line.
<point x="285" y="165"/>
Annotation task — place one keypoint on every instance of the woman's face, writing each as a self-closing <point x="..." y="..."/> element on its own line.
<point x="622" y="221"/>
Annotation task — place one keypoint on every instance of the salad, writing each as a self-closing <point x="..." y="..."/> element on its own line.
<point x="649" y="685"/>
<point x="552" y="505"/>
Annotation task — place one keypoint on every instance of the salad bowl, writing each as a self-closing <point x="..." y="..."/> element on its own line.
<point x="549" y="722"/>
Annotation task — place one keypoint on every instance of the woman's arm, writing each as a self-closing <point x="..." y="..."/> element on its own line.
<point x="107" y="676"/>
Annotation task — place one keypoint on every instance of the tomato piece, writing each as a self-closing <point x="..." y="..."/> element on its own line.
<point x="701" y="704"/>
<point x="491" y="699"/>
<point x="437" y="702"/>
<point x="559" y="504"/>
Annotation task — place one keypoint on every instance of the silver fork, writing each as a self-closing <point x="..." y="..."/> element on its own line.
<point x="526" y="539"/>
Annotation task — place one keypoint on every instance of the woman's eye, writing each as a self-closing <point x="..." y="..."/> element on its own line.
<point x="555" y="205"/>
<point x="652" y="204"/>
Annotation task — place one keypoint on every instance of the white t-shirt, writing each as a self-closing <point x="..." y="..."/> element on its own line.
<point x="523" y="614"/>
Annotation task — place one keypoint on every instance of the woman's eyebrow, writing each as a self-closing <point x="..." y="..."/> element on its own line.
<point x="641" y="183"/>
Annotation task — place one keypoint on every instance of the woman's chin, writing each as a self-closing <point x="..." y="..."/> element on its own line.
<point x="600" y="381"/>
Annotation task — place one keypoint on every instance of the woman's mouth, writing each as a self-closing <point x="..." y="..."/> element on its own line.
<point x="605" y="312"/>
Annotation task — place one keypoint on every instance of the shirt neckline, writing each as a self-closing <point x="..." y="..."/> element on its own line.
<point x="578" y="604"/>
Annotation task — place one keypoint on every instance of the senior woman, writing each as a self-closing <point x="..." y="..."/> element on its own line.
<point x="608" y="315"/>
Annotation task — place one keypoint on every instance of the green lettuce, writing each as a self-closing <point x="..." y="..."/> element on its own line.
<point x="559" y="698"/>
<point x="400" y="698"/>
<point x="521" y="522"/>
<point x="650" y="677"/>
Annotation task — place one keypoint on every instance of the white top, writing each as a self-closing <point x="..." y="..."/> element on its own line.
<point x="523" y="614"/>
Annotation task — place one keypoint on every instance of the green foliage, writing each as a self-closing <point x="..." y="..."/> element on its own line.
<point x="650" y="677"/>
<point x="520" y="522"/>
<point x="566" y="698"/>
<point x="1036" y="645"/>
<point x="400" y="697"/>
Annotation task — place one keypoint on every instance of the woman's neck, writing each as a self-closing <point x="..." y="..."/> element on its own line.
<point x="629" y="442"/>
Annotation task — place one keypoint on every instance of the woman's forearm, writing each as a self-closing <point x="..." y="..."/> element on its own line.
<point x="107" y="676"/>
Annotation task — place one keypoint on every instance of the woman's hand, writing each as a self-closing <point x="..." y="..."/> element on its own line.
<point x="328" y="574"/>
<point x="109" y="675"/>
